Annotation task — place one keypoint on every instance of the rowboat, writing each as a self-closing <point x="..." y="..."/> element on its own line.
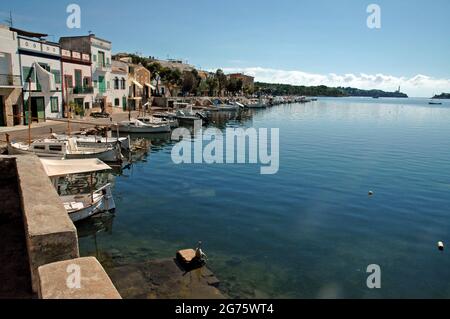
<point x="65" y="149"/>
<point x="81" y="206"/>
<point x="136" y="126"/>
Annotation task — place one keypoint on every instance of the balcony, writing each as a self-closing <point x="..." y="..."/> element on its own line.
<point x="83" y="90"/>
<point x="9" y="80"/>
<point x="103" y="67"/>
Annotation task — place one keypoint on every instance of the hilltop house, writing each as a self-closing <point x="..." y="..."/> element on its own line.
<point x="10" y="79"/>
<point x="45" y="100"/>
<point x="140" y="86"/>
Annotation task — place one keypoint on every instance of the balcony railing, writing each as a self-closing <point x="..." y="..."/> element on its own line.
<point x="103" y="66"/>
<point x="10" y="80"/>
<point x="83" y="90"/>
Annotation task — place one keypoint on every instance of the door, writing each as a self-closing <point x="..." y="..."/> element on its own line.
<point x="101" y="84"/>
<point x="101" y="58"/>
<point x="37" y="110"/>
<point x="16" y="113"/>
<point x="78" y="80"/>
<point x="124" y="103"/>
<point x="2" y="112"/>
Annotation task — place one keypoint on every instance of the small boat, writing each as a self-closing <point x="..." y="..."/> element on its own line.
<point x="434" y="103"/>
<point x="81" y="206"/>
<point x="136" y="126"/>
<point x="257" y="104"/>
<point x="158" y="120"/>
<point x="96" y="141"/>
<point x="65" y="149"/>
<point x="218" y="105"/>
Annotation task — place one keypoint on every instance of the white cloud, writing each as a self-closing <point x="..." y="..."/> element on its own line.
<point x="417" y="86"/>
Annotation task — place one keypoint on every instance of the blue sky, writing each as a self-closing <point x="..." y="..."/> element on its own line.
<point x="291" y="41"/>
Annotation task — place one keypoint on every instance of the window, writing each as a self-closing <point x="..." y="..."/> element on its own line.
<point x="94" y="57"/>
<point x="55" y="148"/>
<point x="54" y="104"/>
<point x="108" y="62"/>
<point x="28" y="74"/>
<point x="95" y="84"/>
<point x="123" y="84"/>
<point x="117" y="102"/>
<point x="57" y="75"/>
<point x="39" y="147"/>
<point x="108" y="85"/>
<point x="116" y="83"/>
<point x="87" y="82"/>
<point x="69" y="81"/>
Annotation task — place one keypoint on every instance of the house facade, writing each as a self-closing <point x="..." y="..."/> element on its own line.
<point x="77" y="86"/>
<point x="11" y="106"/>
<point x="119" y="86"/>
<point x="247" y="81"/>
<point x="43" y="103"/>
<point x="140" y="86"/>
<point x="100" y="52"/>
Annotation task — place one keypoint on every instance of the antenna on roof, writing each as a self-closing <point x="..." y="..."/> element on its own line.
<point x="9" y="20"/>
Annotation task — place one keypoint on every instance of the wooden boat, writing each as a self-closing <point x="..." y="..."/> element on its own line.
<point x="81" y="206"/>
<point x="157" y="120"/>
<point x="53" y="148"/>
<point x="434" y="103"/>
<point x="136" y="126"/>
<point x="92" y="141"/>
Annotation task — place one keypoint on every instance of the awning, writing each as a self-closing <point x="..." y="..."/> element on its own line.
<point x="56" y="168"/>
<point x="139" y="85"/>
<point x="150" y="86"/>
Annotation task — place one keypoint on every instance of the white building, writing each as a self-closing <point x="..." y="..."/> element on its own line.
<point x="77" y="79"/>
<point x="100" y="52"/>
<point x="119" y="85"/>
<point x="32" y="49"/>
<point x="10" y="80"/>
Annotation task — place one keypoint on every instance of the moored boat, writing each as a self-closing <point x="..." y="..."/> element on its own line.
<point x="136" y="126"/>
<point x="95" y="141"/>
<point x="81" y="206"/>
<point x="65" y="149"/>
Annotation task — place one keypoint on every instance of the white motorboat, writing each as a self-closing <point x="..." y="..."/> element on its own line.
<point x="81" y="206"/>
<point x="136" y="126"/>
<point x="257" y="104"/>
<point x="96" y="141"/>
<point x="68" y="149"/>
<point x="157" y="120"/>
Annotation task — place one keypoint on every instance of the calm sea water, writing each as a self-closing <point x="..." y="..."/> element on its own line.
<point x="311" y="230"/>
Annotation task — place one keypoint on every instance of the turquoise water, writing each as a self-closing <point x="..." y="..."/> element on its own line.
<point x="311" y="230"/>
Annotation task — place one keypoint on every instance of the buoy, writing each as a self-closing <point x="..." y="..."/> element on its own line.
<point x="441" y="245"/>
<point x="370" y="193"/>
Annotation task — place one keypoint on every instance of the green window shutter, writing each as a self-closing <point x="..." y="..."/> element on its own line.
<point x="57" y="75"/>
<point x="94" y="57"/>
<point x="28" y="73"/>
<point x="54" y="104"/>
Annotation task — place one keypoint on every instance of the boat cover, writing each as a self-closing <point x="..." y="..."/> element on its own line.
<point x="55" y="168"/>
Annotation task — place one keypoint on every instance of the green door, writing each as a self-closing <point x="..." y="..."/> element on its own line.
<point x="101" y="84"/>
<point x="2" y="112"/>
<point x="124" y="103"/>
<point x="101" y="58"/>
<point x="78" y="80"/>
<point x="37" y="109"/>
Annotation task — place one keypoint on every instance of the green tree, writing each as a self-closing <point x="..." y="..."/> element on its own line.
<point x="221" y="80"/>
<point x="213" y="84"/>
